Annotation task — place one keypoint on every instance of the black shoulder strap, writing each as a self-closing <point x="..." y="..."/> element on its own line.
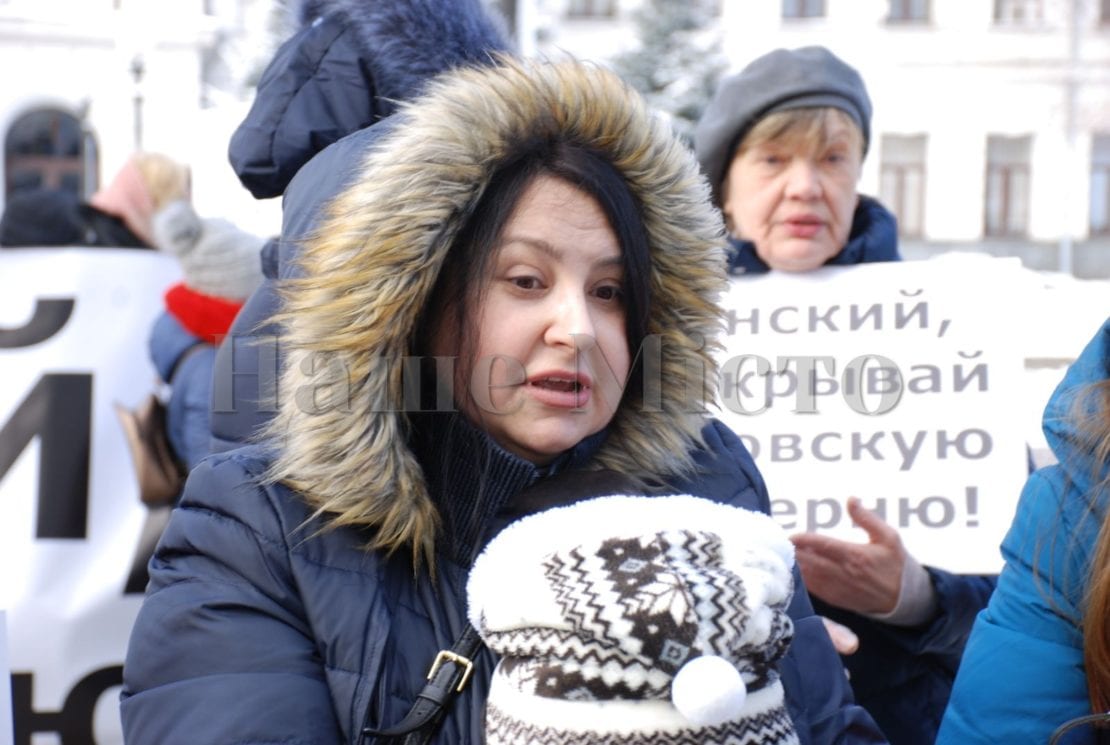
<point x="448" y="676"/>
<point x="189" y="352"/>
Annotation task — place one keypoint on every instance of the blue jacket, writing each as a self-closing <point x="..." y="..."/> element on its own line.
<point x="1022" y="674"/>
<point x="185" y="362"/>
<point x="873" y="237"/>
<point x="903" y="676"/>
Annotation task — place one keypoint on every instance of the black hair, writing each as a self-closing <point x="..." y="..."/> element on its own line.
<point x="464" y="274"/>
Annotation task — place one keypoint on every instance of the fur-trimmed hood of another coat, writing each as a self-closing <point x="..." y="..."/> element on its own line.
<point x="368" y="269"/>
<point x="348" y="65"/>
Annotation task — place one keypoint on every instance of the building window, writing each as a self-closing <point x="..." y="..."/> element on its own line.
<point x="803" y="8"/>
<point x="1100" y="185"/>
<point x="908" y="11"/>
<point x="1007" y="197"/>
<point x="592" y="8"/>
<point x="902" y="181"/>
<point x="47" y="148"/>
<point x="1019" y="12"/>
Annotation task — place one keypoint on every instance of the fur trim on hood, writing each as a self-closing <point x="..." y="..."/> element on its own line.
<point x="370" y="268"/>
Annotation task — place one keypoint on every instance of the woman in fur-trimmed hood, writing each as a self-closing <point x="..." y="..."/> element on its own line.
<point x="519" y="213"/>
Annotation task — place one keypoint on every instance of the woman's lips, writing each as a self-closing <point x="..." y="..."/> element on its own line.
<point x="803" y="228"/>
<point x="560" y="391"/>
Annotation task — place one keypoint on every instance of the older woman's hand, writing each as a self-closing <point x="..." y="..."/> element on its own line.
<point x="860" y="577"/>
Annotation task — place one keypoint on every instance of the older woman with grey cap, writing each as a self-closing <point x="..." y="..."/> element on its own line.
<point x="782" y="144"/>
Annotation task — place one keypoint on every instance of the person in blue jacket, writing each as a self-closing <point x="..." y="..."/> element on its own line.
<point x="484" y="272"/>
<point x="220" y="268"/>
<point x="782" y="144"/>
<point x="1024" y="671"/>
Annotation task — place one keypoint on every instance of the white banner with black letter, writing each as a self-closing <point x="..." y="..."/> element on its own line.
<point x="73" y="340"/>
<point x="898" y="383"/>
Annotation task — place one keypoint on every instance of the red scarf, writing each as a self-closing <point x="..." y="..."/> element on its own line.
<point x="205" y="316"/>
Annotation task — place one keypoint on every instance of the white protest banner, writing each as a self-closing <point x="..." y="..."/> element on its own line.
<point x="898" y="383"/>
<point x="73" y="341"/>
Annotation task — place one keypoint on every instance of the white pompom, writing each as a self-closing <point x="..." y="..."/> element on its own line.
<point x="708" y="691"/>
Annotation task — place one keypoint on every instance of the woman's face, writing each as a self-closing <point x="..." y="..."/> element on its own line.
<point x="552" y="353"/>
<point x="793" y="197"/>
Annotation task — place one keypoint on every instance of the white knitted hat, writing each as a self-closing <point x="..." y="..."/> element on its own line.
<point x="216" y="257"/>
<point x="628" y="619"/>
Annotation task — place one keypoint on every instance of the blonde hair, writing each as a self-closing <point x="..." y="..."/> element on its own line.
<point x="166" y="180"/>
<point x="811" y="126"/>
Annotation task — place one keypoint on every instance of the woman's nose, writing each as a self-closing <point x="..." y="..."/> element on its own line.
<point x="569" y="319"/>
<point x="804" y="180"/>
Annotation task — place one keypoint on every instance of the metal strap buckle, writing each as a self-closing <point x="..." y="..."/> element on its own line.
<point x="458" y="659"/>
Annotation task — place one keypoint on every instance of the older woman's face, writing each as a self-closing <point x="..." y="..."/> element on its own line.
<point x="794" y="197"/>
<point x="552" y="354"/>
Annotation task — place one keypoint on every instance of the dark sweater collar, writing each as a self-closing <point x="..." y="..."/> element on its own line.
<point x="471" y="478"/>
<point x="873" y="237"/>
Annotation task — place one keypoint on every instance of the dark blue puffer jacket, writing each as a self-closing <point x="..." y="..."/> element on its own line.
<point x="348" y="67"/>
<point x="313" y="638"/>
<point x="904" y="676"/>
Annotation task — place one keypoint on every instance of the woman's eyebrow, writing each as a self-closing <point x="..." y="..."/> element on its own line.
<point x="555" y="252"/>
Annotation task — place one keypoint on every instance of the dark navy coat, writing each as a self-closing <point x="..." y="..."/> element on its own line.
<point x="313" y="637"/>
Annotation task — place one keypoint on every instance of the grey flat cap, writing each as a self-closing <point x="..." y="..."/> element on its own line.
<point x="779" y="80"/>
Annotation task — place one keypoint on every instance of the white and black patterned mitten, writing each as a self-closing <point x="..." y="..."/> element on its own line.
<point x="628" y="619"/>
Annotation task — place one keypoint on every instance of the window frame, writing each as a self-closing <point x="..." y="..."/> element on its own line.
<point x="1100" y="166"/>
<point x="903" y="12"/>
<point x="1003" y="13"/>
<point x="1007" y="173"/>
<point x="899" y="172"/>
<point x="801" y="10"/>
<point x="587" y="9"/>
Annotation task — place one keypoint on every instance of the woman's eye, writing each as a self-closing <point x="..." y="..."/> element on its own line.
<point x="608" y="292"/>
<point x="525" y="283"/>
